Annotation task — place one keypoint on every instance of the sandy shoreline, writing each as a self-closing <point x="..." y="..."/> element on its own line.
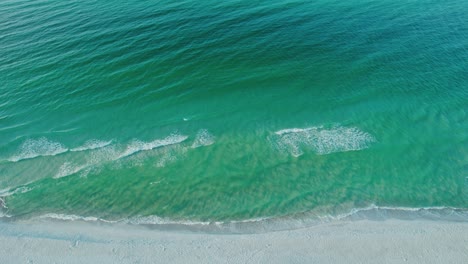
<point x="364" y="241"/>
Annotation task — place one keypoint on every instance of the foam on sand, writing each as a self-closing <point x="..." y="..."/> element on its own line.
<point x="321" y="140"/>
<point x="281" y="223"/>
<point x="65" y="217"/>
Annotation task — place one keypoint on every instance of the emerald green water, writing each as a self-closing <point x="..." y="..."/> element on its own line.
<point x="228" y="111"/>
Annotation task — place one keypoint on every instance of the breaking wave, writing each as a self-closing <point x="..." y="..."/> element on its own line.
<point x="105" y="152"/>
<point x="92" y="144"/>
<point x="137" y="145"/>
<point x="295" y="141"/>
<point x="269" y="224"/>
<point x="33" y="148"/>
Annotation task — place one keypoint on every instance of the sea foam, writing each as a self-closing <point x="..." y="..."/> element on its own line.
<point x="65" y="217"/>
<point x="278" y="223"/>
<point x="16" y="190"/>
<point x="137" y="145"/>
<point x="203" y="138"/>
<point x="92" y="144"/>
<point x="321" y="140"/>
<point x="103" y="152"/>
<point x="68" y="169"/>
<point x="33" y="148"/>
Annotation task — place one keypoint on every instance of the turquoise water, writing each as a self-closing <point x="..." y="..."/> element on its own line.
<point x="234" y="110"/>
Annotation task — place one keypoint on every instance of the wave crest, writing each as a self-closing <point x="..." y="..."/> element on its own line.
<point x="92" y="144"/>
<point x="32" y="148"/>
<point x="42" y="147"/>
<point x="137" y="145"/>
<point x="110" y="153"/>
<point x="321" y="140"/>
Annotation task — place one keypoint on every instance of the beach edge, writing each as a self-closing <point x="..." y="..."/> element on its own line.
<point x="362" y="241"/>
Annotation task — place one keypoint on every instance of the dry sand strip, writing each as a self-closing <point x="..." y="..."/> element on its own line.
<point x="390" y="241"/>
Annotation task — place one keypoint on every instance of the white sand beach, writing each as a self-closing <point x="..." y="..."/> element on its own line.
<point x="364" y="241"/>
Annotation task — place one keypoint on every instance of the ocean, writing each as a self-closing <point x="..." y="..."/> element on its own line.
<point x="202" y="112"/>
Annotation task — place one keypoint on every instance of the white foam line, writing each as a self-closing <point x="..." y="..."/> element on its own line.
<point x="156" y="220"/>
<point x="92" y="144"/>
<point x="295" y="130"/>
<point x="138" y="146"/>
<point x="397" y="208"/>
<point x="33" y="148"/>
<point x="75" y="218"/>
<point x="322" y="141"/>
<point x="2" y="203"/>
<point x="146" y="220"/>
<point x="42" y="147"/>
<point x="11" y="191"/>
